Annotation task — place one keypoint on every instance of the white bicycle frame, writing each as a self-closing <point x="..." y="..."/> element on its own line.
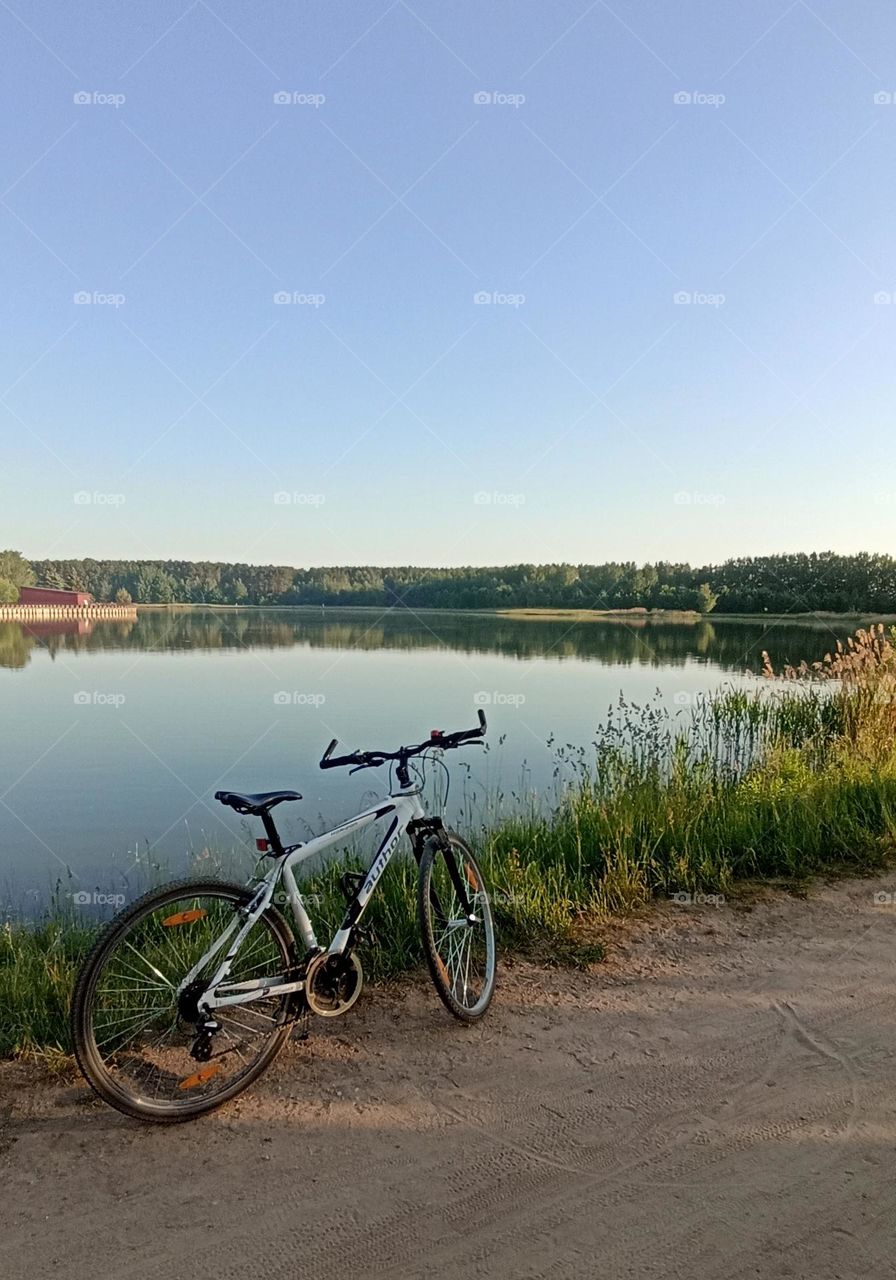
<point x="405" y="808"/>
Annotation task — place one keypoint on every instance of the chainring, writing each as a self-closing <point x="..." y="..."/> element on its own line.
<point x="333" y="984"/>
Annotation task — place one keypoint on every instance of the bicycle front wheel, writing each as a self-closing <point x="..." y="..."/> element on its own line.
<point x="139" y="1036"/>
<point x="457" y="926"/>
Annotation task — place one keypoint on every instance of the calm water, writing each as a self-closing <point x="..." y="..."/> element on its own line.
<point x="116" y="735"/>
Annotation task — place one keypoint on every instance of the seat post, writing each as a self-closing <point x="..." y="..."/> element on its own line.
<point x="271" y="831"/>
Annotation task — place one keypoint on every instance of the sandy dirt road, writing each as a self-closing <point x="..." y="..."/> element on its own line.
<point x="719" y="1100"/>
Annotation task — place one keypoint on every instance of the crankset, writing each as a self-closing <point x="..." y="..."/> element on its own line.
<point x="333" y="984"/>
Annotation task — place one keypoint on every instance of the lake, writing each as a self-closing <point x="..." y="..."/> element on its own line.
<point x="117" y="734"/>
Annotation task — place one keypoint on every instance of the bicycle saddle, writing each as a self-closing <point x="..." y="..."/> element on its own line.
<point x="257" y="803"/>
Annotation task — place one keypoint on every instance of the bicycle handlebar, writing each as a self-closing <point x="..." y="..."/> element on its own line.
<point x="370" y="759"/>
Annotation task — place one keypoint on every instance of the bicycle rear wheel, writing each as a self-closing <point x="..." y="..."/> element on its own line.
<point x="459" y="944"/>
<point x="139" y="1041"/>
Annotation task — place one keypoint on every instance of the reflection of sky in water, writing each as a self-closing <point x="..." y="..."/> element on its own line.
<point x="115" y="741"/>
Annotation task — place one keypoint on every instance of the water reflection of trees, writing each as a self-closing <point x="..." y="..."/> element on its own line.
<point x="643" y="641"/>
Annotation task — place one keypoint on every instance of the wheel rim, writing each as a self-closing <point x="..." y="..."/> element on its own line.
<point x="464" y="950"/>
<point x="143" y="1034"/>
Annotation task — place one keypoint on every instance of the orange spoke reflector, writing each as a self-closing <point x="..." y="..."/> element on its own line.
<point x="201" y="1076"/>
<point x="184" y="917"/>
<point x="471" y="875"/>
<point x="442" y="970"/>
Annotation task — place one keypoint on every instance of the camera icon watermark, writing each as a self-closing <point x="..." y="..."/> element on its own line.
<point x="494" y="298"/>
<point x="283" y="298"/>
<point x="884" y="98"/>
<point x="296" y="98"/>
<point x="284" y="499"/>
<point x="95" y="298"/>
<point x="883" y="899"/>
<point x="497" y="698"/>
<point x="685" y="98"/>
<point x="884" y="298"/>
<point x="298" y="698"/>
<point x="484" y="498"/>
<point x="496" y="98"/>
<point x="93" y="98"/>
<point x="83" y="498"/>
<point x="97" y="698"/>
<point x="88" y="898"/>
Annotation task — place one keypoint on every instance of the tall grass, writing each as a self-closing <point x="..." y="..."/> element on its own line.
<point x="794" y="777"/>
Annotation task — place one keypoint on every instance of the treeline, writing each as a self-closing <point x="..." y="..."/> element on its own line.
<point x="823" y="581"/>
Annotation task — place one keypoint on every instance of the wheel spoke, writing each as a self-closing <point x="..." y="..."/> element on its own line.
<point x="461" y="942"/>
<point x="145" y="1042"/>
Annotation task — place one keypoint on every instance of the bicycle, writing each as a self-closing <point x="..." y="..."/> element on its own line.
<point x="189" y="993"/>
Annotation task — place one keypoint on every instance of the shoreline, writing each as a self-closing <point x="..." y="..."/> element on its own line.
<point x="529" y="614"/>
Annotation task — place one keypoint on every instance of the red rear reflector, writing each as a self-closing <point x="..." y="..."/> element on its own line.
<point x="435" y="733"/>
<point x="184" y="917"/>
<point x="205" y="1073"/>
<point x="262" y="846"/>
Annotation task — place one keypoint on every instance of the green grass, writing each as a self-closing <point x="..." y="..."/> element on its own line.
<point x="794" y="779"/>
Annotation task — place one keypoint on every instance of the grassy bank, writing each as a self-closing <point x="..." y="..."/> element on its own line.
<point x="794" y="779"/>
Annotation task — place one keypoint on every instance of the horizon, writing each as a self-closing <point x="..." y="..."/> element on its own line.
<point x="491" y="286"/>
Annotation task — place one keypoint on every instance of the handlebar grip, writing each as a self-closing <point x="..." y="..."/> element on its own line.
<point x="482" y="722"/>
<point x="326" y="755"/>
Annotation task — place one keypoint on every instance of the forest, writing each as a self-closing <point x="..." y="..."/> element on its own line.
<point x="787" y="583"/>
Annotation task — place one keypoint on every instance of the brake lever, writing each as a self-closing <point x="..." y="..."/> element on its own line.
<point x="369" y="764"/>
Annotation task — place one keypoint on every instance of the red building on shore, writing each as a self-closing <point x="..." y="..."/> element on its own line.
<point x="52" y="595"/>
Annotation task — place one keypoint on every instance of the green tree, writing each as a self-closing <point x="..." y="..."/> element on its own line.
<point x="9" y="592"/>
<point x="706" y="598"/>
<point x="15" y="568"/>
<point x="122" y="596"/>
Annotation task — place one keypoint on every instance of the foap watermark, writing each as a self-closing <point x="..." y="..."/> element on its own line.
<point x="94" y="98"/>
<point x="282" y="899"/>
<point x="501" y="898"/>
<point x="686" y="498"/>
<point x="93" y="898"/>
<point x="298" y="698"/>
<point x="884" y="98"/>
<point x="283" y="298"/>
<point x="685" y="698"/>
<point x="498" y="698"/>
<point x="697" y="899"/>
<point x="883" y="899"/>
<point x="97" y="698"/>
<point x="684" y="298"/>
<point x="84" y="498"/>
<point x="493" y="298"/>
<point x="284" y="499"/>
<point x="96" y="298"/>
<point x="884" y="298"/>
<point x="484" y="498"/>
<point x="697" y="98"/>
<point x="497" y="98"/>
<point x="298" y="98"/>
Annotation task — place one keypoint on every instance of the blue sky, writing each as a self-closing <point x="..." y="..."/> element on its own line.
<point x="382" y="414"/>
